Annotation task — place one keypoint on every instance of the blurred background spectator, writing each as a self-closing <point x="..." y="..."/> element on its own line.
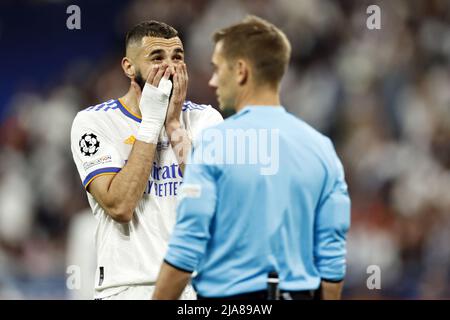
<point x="383" y="96"/>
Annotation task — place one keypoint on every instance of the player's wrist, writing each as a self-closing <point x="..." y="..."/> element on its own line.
<point x="149" y="131"/>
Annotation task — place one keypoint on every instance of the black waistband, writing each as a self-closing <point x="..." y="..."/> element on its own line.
<point x="262" y="295"/>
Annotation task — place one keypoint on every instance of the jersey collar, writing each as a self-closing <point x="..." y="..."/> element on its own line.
<point x="127" y="111"/>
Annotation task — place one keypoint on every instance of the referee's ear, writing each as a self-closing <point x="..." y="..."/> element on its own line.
<point x="128" y="68"/>
<point x="242" y="71"/>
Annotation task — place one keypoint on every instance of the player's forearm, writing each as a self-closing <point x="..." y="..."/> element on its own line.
<point x="119" y="196"/>
<point x="128" y="186"/>
<point x="331" y="290"/>
<point x="180" y="141"/>
<point x="170" y="283"/>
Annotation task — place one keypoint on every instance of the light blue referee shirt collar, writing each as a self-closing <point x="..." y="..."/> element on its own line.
<point x="260" y="108"/>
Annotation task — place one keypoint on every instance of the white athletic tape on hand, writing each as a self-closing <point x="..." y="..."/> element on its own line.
<point x="153" y="106"/>
<point x="165" y="85"/>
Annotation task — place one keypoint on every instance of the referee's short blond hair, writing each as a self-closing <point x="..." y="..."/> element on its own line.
<point x="261" y="43"/>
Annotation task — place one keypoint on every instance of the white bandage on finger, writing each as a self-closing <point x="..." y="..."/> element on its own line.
<point x="165" y="85"/>
<point x="153" y="106"/>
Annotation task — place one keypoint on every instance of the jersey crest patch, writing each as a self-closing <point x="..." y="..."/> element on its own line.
<point x="89" y="144"/>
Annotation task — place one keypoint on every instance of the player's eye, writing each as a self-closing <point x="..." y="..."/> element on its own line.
<point x="157" y="58"/>
<point x="177" y="57"/>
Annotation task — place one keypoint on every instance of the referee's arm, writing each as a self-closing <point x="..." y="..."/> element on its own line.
<point x="331" y="227"/>
<point x="191" y="234"/>
<point x="171" y="282"/>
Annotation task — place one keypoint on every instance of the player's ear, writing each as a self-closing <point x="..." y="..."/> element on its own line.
<point x="242" y="71"/>
<point x="128" y="68"/>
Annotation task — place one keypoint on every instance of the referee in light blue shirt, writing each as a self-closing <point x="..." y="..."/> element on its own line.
<point x="248" y="227"/>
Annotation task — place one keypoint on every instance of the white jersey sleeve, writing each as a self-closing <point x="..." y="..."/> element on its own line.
<point x="93" y="152"/>
<point x="200" y="117"/>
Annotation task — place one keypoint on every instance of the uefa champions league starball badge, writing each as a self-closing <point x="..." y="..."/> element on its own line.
<point x="89" y="144"/>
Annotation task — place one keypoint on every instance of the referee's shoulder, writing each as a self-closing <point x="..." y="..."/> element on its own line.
<point x="314" y="136"/>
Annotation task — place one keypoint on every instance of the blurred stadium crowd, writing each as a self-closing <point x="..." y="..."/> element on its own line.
<point x="383" y="96"/>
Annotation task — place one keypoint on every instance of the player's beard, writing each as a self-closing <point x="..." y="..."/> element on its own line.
<point x="139" y="80"/>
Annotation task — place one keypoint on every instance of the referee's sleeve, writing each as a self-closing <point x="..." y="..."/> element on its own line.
<point x="196" y="208"/>
<point x="331" y="227"/>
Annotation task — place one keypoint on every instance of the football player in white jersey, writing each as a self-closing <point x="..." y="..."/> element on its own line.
<point x="129" y="153"/>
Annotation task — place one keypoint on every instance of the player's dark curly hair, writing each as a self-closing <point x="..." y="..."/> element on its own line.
<point x="150" y="28"/>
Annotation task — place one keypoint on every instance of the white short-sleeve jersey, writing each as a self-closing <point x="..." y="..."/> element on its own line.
<point x="101" y="140"/>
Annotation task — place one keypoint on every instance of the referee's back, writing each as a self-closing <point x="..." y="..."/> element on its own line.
<point x="288" y="213"/>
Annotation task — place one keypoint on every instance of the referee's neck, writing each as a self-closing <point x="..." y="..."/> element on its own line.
<point x="260" y="96"/>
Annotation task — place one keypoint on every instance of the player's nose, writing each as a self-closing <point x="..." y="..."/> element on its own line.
<point x="213" y="81"/>
<point x="171" y="67"/>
